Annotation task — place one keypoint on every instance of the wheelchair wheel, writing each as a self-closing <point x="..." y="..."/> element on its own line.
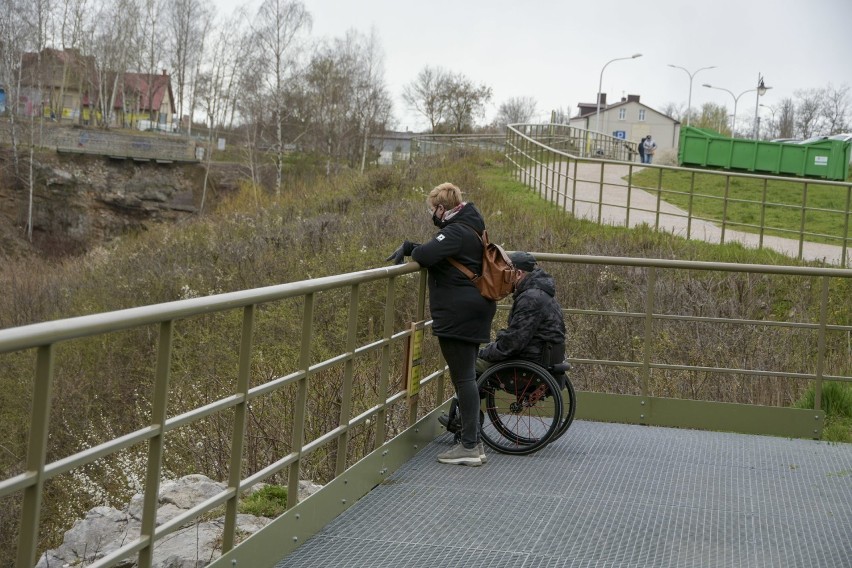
<point x="522" y="407"/>
<point x="569" y="407"/>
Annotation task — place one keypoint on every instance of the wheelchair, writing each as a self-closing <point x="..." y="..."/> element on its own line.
<point x="523" y="406"/>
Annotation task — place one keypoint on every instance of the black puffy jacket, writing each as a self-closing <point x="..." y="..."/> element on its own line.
<point x="535" y="320"/>
<point x="458" y="309"/>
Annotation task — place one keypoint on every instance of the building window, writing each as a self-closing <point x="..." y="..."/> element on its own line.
<point x="641" y="114"/>
<point x="622" y="113"/>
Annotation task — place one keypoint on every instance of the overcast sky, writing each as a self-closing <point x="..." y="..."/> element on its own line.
<point x="554" y="50"/>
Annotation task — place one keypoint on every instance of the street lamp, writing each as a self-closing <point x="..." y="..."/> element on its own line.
<point x="691" y="75"/>
<point x="736" y="100"/>
<point x="600" y="86"/>
<point x="761" y="90"/>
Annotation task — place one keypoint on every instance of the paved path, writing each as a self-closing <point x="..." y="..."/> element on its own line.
<point x="643" y="210"/>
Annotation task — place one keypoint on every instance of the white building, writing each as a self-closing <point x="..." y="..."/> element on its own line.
<point x="631" y="120"/>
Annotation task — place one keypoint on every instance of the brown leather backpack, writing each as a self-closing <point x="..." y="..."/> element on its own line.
<point x="498" y="276"/>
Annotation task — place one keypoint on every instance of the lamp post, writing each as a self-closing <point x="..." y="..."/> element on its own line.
<point x="600" y="86"/>
<point x="761" y="90"/>
<point x="691" y="75"/>
<point x="736" y="100"/>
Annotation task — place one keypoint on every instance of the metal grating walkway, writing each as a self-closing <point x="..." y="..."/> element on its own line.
<point x="606" y="495"/>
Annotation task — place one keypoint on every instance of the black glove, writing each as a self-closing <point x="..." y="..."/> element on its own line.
<point x="405" y="249"/>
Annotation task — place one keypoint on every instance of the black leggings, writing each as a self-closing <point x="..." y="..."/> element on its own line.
<point x="461" y="359"/>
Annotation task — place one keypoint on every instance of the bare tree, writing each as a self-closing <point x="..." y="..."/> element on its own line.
<point x="152" y="38"/>
<point x="372" y="102"/>
<point x="809" y="103"/>
<point x="677" y="111"/>
<point x="13" y="43"/>
<point x="187" y="22"/>
<point x="516" y="110"/>
<point x="786" y="117"/>
<point x="112" y="43"/>
<point x="465" y="101"/>
<point x="277" y="30"/>
<point x="427" y="95"/>
<point x="836" y="109"/>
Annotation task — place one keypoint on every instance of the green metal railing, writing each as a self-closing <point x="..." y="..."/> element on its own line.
<point x="391" y="448"/>
<point x="429" y="144"/>
<point x="554" y="161"/>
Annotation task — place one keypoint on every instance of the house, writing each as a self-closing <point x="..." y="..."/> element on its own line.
<point x="146" y="102"/>
<point x="392" y="146"/>
<point x="65" y="85"/>
<point x="629" y="119"/>
<point x="54" y="83"/>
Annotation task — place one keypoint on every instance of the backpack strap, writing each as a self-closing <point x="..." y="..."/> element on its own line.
<point x="464" y="269"/>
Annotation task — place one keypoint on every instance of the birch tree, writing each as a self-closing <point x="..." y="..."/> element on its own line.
<point x="278" y="29"/>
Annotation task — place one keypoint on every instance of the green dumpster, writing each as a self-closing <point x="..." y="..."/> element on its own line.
<point x="823" y="158"/>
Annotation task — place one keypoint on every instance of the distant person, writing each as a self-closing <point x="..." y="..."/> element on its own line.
<point x="650" y="147"/>
<point x="461" y="316"/>
<point x="641" y="147"/>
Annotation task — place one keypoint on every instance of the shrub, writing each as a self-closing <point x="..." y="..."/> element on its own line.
<point x="268" y="501"/>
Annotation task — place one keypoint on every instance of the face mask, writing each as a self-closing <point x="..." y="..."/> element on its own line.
<point x="438" y="222"/>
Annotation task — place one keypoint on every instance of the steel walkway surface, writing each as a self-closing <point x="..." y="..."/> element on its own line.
<point x="606" y="495"/>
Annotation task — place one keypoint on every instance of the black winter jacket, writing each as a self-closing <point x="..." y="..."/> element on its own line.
<point x="458" y="309"/>
<point x="534" y="321"/>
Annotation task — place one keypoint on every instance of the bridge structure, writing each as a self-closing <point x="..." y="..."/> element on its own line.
<point x="643" y="477"/>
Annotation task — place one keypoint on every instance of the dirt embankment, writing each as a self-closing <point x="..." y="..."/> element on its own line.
<point x="80" y="201"/>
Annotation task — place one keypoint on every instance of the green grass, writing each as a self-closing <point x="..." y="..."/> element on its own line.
<point x="269" y="501"/>
<point x="836" y="400"/>
<point x="776" y="205"/>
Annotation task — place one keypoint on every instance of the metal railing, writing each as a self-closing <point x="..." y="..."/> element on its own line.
<point x="429" y="144"/>
<point x="46" y="338"/>
<point x="552" y="159"/>
<point x="645" y="406"/>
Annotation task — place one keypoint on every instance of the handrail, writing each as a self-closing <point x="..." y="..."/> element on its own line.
<point x="645" y="316"/>
<point x="553" y="161"/>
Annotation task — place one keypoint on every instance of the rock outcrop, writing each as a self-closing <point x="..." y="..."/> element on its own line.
<point x="105" y="529"/>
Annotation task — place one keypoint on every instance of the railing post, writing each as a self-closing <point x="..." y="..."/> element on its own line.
<point x="600" y="194"/>
<point x="762" y="214"/>
<point x="239" y="432"/>
<point x="298" y="439"/>
<point x="725" y="207"/>
<point x="348" y="374"/>
<point x="823" y="315"/>
<point x="802" y="225"/>
<point x="649" y="329"/>
<point x="156" y="444"/>
<point x="690" y="206"/>
<point x="36" y="456"/>
<point x="845" y="245"/>
<point x="384" y="366"/>
<point x="659" y="199"/>
<point x="629" y="194"/>
<point x="574" y="190"/>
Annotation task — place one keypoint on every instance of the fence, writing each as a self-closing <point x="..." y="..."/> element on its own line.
<point x="376" y="331"/>
<point x="780" y="213"/>
<point x="95" y="141"/>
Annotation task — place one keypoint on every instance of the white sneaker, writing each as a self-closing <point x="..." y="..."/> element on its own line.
<point x="460" y="455"/>
<point x="482" y="457"/>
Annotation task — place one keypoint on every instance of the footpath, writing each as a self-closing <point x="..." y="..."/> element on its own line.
<point x="610" y="205"/>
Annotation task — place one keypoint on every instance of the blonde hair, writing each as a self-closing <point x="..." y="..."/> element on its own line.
<point x="446" y="194"/>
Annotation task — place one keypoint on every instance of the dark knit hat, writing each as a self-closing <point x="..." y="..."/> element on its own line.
<point x="522" y="260"/>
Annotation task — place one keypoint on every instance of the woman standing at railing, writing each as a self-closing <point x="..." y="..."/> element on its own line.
<point x="461" y="316"/>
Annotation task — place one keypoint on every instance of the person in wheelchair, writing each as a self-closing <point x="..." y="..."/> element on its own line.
<point x="536" y="327"/>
